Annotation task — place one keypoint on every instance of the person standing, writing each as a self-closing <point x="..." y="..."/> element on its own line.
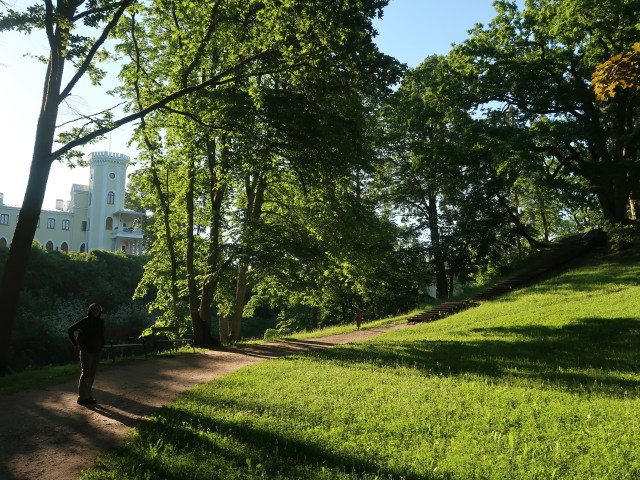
<point x="90" y="341"/>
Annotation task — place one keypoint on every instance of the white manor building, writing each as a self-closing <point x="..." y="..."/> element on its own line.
<point x="95" y="216"/>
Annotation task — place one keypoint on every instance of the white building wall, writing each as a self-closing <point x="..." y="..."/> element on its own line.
<point x="88" y="206"/>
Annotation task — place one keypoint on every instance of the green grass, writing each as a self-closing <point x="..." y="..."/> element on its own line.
<point x="337" y="330"/>
<point x="37" y="377"/>
<point x="539" y="384"/>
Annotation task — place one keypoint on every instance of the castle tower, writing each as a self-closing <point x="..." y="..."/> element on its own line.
<point x="110" y="226"/>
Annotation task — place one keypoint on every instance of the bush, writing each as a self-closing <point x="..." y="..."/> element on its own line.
<point x="58" y="289"/>
<point x="622" y="236"/>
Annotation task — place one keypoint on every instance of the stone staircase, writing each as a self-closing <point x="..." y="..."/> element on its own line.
<point x="551" y="262"/>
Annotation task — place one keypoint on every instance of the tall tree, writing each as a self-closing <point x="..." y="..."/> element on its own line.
<point x="299" y="111"/>
<point x="537" y="64"/>
<point x="420" y="150"/>
<point x="59" y="21"/>
<point x="238" y="39"/>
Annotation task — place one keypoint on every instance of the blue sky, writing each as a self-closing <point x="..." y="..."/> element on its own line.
<point x="410" y="30"/>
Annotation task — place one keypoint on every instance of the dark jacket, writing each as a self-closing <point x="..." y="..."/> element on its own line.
<point x="91" y="335"/>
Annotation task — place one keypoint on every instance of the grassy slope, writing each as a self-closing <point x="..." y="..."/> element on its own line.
<point x="540" y="384"/>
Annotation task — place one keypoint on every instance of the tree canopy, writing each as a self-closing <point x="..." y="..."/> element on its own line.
<point x="536" y="66"/>
<point x="285" y="174"/>
<point x="175" y="49"/>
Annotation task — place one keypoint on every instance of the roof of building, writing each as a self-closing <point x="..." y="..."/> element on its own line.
<point x="129" y="212"/>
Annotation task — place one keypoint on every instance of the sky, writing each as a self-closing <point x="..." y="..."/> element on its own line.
<point x="410" y="31"/>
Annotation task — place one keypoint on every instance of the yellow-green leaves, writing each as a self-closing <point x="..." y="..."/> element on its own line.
<point x="618" y="73"/>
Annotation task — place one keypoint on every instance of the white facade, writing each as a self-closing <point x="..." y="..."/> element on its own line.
<point x="95" y="216"/>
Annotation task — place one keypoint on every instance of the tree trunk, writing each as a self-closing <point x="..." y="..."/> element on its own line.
<point x="613" y="202"/>
<point x="442" y="288"/>
<point x="223" y="326"/>
<point x="522" y="229"/>
<point x="633" y="208"/>
<point x="210" y="280"/>
<point x="241" y="292"/>
<point x="217" y="192"/>
<point x="542" y="207"/>
<point x="16" y="267"/>
<point x="165" y="212"/>
<point x="255" y="199"/>
<point x="198" y="328"/>
<point x="451" y="278"/>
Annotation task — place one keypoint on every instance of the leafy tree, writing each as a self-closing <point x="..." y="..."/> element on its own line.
<point x="325" y="249"/>
<point x="421" y="151"/>
<point x="177" y="49"/>
<point x="439" y="172"/>
<point x="536" y="66"/>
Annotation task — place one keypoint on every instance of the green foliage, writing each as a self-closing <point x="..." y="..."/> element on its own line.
<point x="622" y="236"/>
<point x="532" y="69"/>
<point x="540" y="384"/>
<point x="285" y="124"/>
<point x="58" y="289"/>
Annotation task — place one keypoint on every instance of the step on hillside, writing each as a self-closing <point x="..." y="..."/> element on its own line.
<point x="565" y="251"/>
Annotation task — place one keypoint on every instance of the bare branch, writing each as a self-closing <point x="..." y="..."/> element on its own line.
<point x="90" y="116"/>
<point x="95" y="47"/>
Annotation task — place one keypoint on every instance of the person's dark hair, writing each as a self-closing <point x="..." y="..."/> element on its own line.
<point x="94" y="306"/>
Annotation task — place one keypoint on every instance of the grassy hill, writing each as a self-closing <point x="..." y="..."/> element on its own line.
<point x="543" y="383"/>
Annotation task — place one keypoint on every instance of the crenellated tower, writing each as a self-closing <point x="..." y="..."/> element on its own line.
<point x="110" y="225"/>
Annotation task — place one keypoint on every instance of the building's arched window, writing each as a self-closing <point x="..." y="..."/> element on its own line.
<point x="49" y="245"/>
<point x="111" y="198"/>
<point x="82" y="248"/>
<point x="109" y="224"/>
<point x="64" y="247"/>
<point x="3" y="242"/>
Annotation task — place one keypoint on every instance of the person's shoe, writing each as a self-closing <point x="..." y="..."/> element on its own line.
<point x="86" y="401"/>
<point x="91" y="400"/>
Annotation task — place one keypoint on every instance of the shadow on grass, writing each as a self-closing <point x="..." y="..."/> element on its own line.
<point x="228" y="439"/>
<point x="594" y="355"/>
<point x="230" y="448"/>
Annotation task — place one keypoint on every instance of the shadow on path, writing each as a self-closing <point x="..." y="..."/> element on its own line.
<point x="46" y="435"/>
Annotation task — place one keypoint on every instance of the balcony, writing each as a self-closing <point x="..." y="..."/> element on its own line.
<point x="127" y="232"/>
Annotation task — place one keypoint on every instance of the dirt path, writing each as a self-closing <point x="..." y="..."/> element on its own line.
<point x="45" y="435"/>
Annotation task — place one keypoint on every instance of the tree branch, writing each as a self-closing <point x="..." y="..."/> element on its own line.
<point x="84" y="66"/>
<point x="214" y="81"/>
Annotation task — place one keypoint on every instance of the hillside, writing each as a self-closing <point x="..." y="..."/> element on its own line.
<point x="540" y="383"/>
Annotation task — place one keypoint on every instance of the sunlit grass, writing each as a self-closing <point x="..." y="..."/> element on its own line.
<point x="540" y="384"/>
